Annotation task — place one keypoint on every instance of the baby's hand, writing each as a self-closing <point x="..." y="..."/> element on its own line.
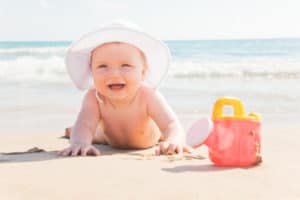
<point x="172" y="146"/>
<point x="80" y="149"/>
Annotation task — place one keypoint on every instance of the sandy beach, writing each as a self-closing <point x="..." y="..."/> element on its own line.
<point x="141" y="175"/>
<point x="249" y="50"/>
<point x="38" y="101"/>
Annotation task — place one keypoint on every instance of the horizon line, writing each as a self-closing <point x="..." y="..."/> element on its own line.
<point x="170" y="40"/>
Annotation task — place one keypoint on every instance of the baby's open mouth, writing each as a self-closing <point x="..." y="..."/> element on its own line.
<point x="116" y="86"/>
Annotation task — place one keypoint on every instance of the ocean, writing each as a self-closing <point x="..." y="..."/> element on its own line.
<point x="37" y="94"/>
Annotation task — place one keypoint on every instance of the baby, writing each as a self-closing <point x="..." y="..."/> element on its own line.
<point x="122" y="108"/>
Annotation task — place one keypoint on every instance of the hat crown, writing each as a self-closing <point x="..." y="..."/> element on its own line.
<point x="120" y="23"/>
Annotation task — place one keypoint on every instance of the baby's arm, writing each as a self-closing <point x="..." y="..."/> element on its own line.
<point x="84" y="129"/>
<point x="165" y="118"/>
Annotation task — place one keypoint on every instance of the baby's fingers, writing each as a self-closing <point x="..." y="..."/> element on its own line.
<point x="187" y="149"/>
<point x="75" y="151"/>
<point x="84" y="151"/>
<point x="93" y="151"/>
<point x="172" y="149"/>
<point x="179" y="149"/>
<point x="163" y="148"/>
<point x="166" y="148"/>
<point x="65" y="152"/>
<point x="157" y="151"/>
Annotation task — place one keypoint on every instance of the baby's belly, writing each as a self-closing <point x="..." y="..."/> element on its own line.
<point x="134" y="134"/>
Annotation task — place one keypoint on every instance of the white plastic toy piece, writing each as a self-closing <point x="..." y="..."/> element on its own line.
<point x="199" y="132"/>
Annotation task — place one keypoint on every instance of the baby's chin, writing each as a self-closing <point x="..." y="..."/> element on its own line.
<point x="120" y="94"/>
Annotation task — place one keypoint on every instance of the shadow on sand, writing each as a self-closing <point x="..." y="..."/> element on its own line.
<point x="203" y="168"/>
<point x="37" y="154"/>
<point x="196" y="168"/>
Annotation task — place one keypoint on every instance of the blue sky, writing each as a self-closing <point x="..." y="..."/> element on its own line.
<point x="167" y="19"/>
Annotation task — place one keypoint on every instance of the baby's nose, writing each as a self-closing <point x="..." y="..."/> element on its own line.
<point x="115" y="72"/>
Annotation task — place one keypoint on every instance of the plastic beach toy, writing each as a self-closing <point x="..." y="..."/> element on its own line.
<point x="233" y="140"/>
<point x="199" y="132"/>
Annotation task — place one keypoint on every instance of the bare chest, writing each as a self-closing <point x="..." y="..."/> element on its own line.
<point x="125" y="119"/>
<point x="128" y="127"/>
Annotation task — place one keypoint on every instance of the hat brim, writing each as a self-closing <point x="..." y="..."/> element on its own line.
<point x="78" y="55"/>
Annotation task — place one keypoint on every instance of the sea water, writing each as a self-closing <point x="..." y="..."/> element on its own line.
<point x="263" y="73"/>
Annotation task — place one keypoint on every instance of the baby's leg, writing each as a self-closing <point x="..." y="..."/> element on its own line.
<point x="99" y="137"/>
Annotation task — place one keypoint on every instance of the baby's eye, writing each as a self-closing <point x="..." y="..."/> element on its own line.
<point x="126" y="65"/>
<point x="102" y="66"/>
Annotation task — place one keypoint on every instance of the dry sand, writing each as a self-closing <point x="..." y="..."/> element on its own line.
<point x="140" y="175"/>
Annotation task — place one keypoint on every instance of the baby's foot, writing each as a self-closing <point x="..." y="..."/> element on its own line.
<point x="68" y="132"/>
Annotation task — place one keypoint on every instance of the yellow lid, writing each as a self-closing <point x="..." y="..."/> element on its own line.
<point x="238" y="108"/>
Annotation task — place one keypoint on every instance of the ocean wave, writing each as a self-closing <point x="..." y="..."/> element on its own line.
<point x="41" y="52"/>
<point x="31" y="69"/>
<point x="52" y="69"/>
<point x="277" y="69"/>
<point x="243" y="74"/>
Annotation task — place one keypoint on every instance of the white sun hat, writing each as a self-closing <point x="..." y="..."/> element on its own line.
<point x="157" y="54"/>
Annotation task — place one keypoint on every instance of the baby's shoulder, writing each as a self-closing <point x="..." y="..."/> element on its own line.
<point x="90" y="97"/>
<point x="147" y="91"/>
<point x="90" y="94"/>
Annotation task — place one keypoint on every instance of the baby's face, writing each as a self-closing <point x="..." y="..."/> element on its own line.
<point x="118" y="70"/>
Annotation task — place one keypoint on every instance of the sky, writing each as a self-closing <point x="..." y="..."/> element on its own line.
<point x="30" y="20"/>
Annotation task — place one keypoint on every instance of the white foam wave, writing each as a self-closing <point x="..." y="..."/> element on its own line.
<point x="239" y="69"/>
<point x="31" y="69"/>
<point x="38" y="53"/>
<point x="52" y="69"/>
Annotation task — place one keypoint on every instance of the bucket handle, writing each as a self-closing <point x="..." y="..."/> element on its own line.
<point x="238" y="109"/>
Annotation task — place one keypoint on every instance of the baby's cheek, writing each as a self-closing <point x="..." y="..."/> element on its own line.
<point x="136" y="76"/>
<point x="99" y="83"/>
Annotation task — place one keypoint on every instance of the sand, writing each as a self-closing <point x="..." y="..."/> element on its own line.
<point x="141" y="175"/>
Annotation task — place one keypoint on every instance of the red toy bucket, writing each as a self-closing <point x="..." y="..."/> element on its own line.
<point x="234" y="140"/>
